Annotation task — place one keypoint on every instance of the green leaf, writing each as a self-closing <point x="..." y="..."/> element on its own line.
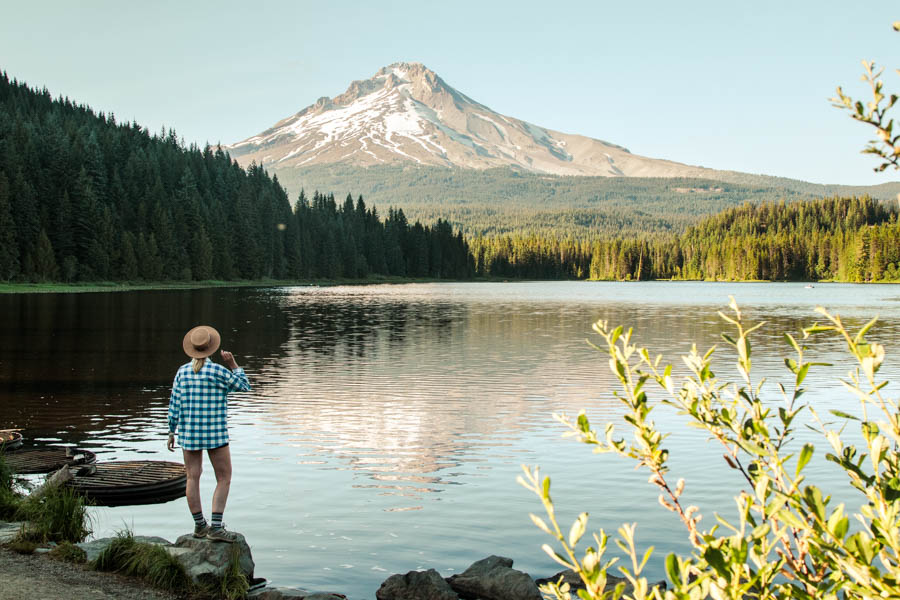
<point x="841" y="528"/>
<point x="646" y="558"/>
<point x="716" y="560"/>
<point x="813" y="496"/>
<point x="791" y="519"/>
<point x="864" y="330"/>
<point x="843" y="415"/>
<point x="805" y="455"/>
<point x="673" y="569"/>
<point x="790" y="340"/>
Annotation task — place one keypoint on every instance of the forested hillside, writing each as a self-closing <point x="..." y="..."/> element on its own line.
<point x="500" y="201"/>
<point x="84" y="198"/>
<point x="844" y="239"/>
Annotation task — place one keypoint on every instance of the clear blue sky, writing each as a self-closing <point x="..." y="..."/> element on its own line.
<point x="728" y="85"/>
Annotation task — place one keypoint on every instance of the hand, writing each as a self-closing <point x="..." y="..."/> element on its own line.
<point x="228" y="359"/>
<point x="170" y="443"/>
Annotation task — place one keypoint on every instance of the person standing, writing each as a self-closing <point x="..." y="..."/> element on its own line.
<point x="198" y="410"/>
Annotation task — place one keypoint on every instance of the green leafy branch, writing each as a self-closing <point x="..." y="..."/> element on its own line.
<point x="787" y="542"/>
<point x="874" y="113"/>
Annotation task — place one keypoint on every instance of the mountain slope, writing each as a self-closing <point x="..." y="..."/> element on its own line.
<point x="406" y="113"/>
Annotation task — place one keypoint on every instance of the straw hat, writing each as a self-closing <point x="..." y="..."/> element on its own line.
<point x="201" y="341"/>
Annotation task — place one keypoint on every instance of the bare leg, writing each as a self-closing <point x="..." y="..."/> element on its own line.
<point x="221" y="461"/>
<point x="193" y="466"/>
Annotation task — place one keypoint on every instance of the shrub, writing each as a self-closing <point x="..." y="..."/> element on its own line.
<point x="234" y="584"/>
<point x="69" y="552"/>
<point x="22" y="546"/>
<point x="58" y="515"/>
<point x="10" y="498"/>
<point x="116" y="554"/>
<point x="150" y="562"/>
<point x="786" y="541"/>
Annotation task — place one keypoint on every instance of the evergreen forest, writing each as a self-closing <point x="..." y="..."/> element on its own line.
<point x="84" y="198"/>
<point x="841" y="239"/>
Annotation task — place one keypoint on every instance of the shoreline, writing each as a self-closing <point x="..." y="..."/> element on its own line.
<point x="36" y="576"/>
<point x="112" y="286"/>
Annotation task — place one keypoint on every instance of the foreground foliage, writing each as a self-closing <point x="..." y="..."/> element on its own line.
<point x="59" y="515"/>
<point x="875" y="113"/>
<point x="787" y="539"/>
<point x="10" y="498"/>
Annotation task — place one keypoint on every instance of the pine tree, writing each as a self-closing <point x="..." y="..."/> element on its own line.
<point x="44" y="261"/>
<point x="9" y="252"/>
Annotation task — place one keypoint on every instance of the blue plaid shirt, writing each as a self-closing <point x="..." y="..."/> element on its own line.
<point x="198" y="407"/>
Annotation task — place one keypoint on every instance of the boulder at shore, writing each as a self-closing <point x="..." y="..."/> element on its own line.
<point x="280" y="593"/>
<point x="206" y="561"/>
<point x="493" y="578"/>
<point x="416" y="585"/>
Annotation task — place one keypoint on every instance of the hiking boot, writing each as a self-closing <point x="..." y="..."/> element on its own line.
<point x="219" y="534"/>
<point x="200" y="531"/>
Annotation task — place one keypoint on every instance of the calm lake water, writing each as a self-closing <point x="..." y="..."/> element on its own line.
<point x="387" y="424"/>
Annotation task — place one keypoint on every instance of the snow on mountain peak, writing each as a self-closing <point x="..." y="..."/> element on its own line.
<point x="407" y="113"/>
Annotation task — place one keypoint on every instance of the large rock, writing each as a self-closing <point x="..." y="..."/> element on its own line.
<point x="575" y="583"/>
<point x="493" y="578"/>
<point x="416" y="585"/>
<point x="206" y="561"/>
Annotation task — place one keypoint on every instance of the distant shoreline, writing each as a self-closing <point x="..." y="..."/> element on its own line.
<point x="112" y="286"/>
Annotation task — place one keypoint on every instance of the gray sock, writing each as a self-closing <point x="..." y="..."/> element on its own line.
<point x="199" y="521"/>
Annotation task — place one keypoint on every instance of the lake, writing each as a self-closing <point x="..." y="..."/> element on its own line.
<point x="387" y="424"/>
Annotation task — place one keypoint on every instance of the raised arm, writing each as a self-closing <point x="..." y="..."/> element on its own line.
<point x="234" y="380"/>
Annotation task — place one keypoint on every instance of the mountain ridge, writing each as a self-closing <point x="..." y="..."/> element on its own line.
<point x="406" y="113"/>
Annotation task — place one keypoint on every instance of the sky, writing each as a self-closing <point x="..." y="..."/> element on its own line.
<point x="731" y="85"/>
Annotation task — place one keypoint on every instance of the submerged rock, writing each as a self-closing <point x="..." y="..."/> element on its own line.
<point x="206" y="561"/>
<point x="493" y="578"/>
<point x="278" y="593"/>
<point x="416" y="585"/>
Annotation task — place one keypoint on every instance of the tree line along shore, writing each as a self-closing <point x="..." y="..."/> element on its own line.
<point x="85" y="199"/>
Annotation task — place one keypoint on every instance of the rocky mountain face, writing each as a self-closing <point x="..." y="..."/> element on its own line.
<point x="406" y="113"/>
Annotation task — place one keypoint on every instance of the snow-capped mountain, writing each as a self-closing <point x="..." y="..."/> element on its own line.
<point x="406" y="113"/>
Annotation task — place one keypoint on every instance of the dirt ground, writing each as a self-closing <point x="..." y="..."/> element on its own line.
<point x="39" y="577"/>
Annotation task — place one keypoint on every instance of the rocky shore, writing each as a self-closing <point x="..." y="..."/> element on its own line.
<point x="26" y="577"/>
